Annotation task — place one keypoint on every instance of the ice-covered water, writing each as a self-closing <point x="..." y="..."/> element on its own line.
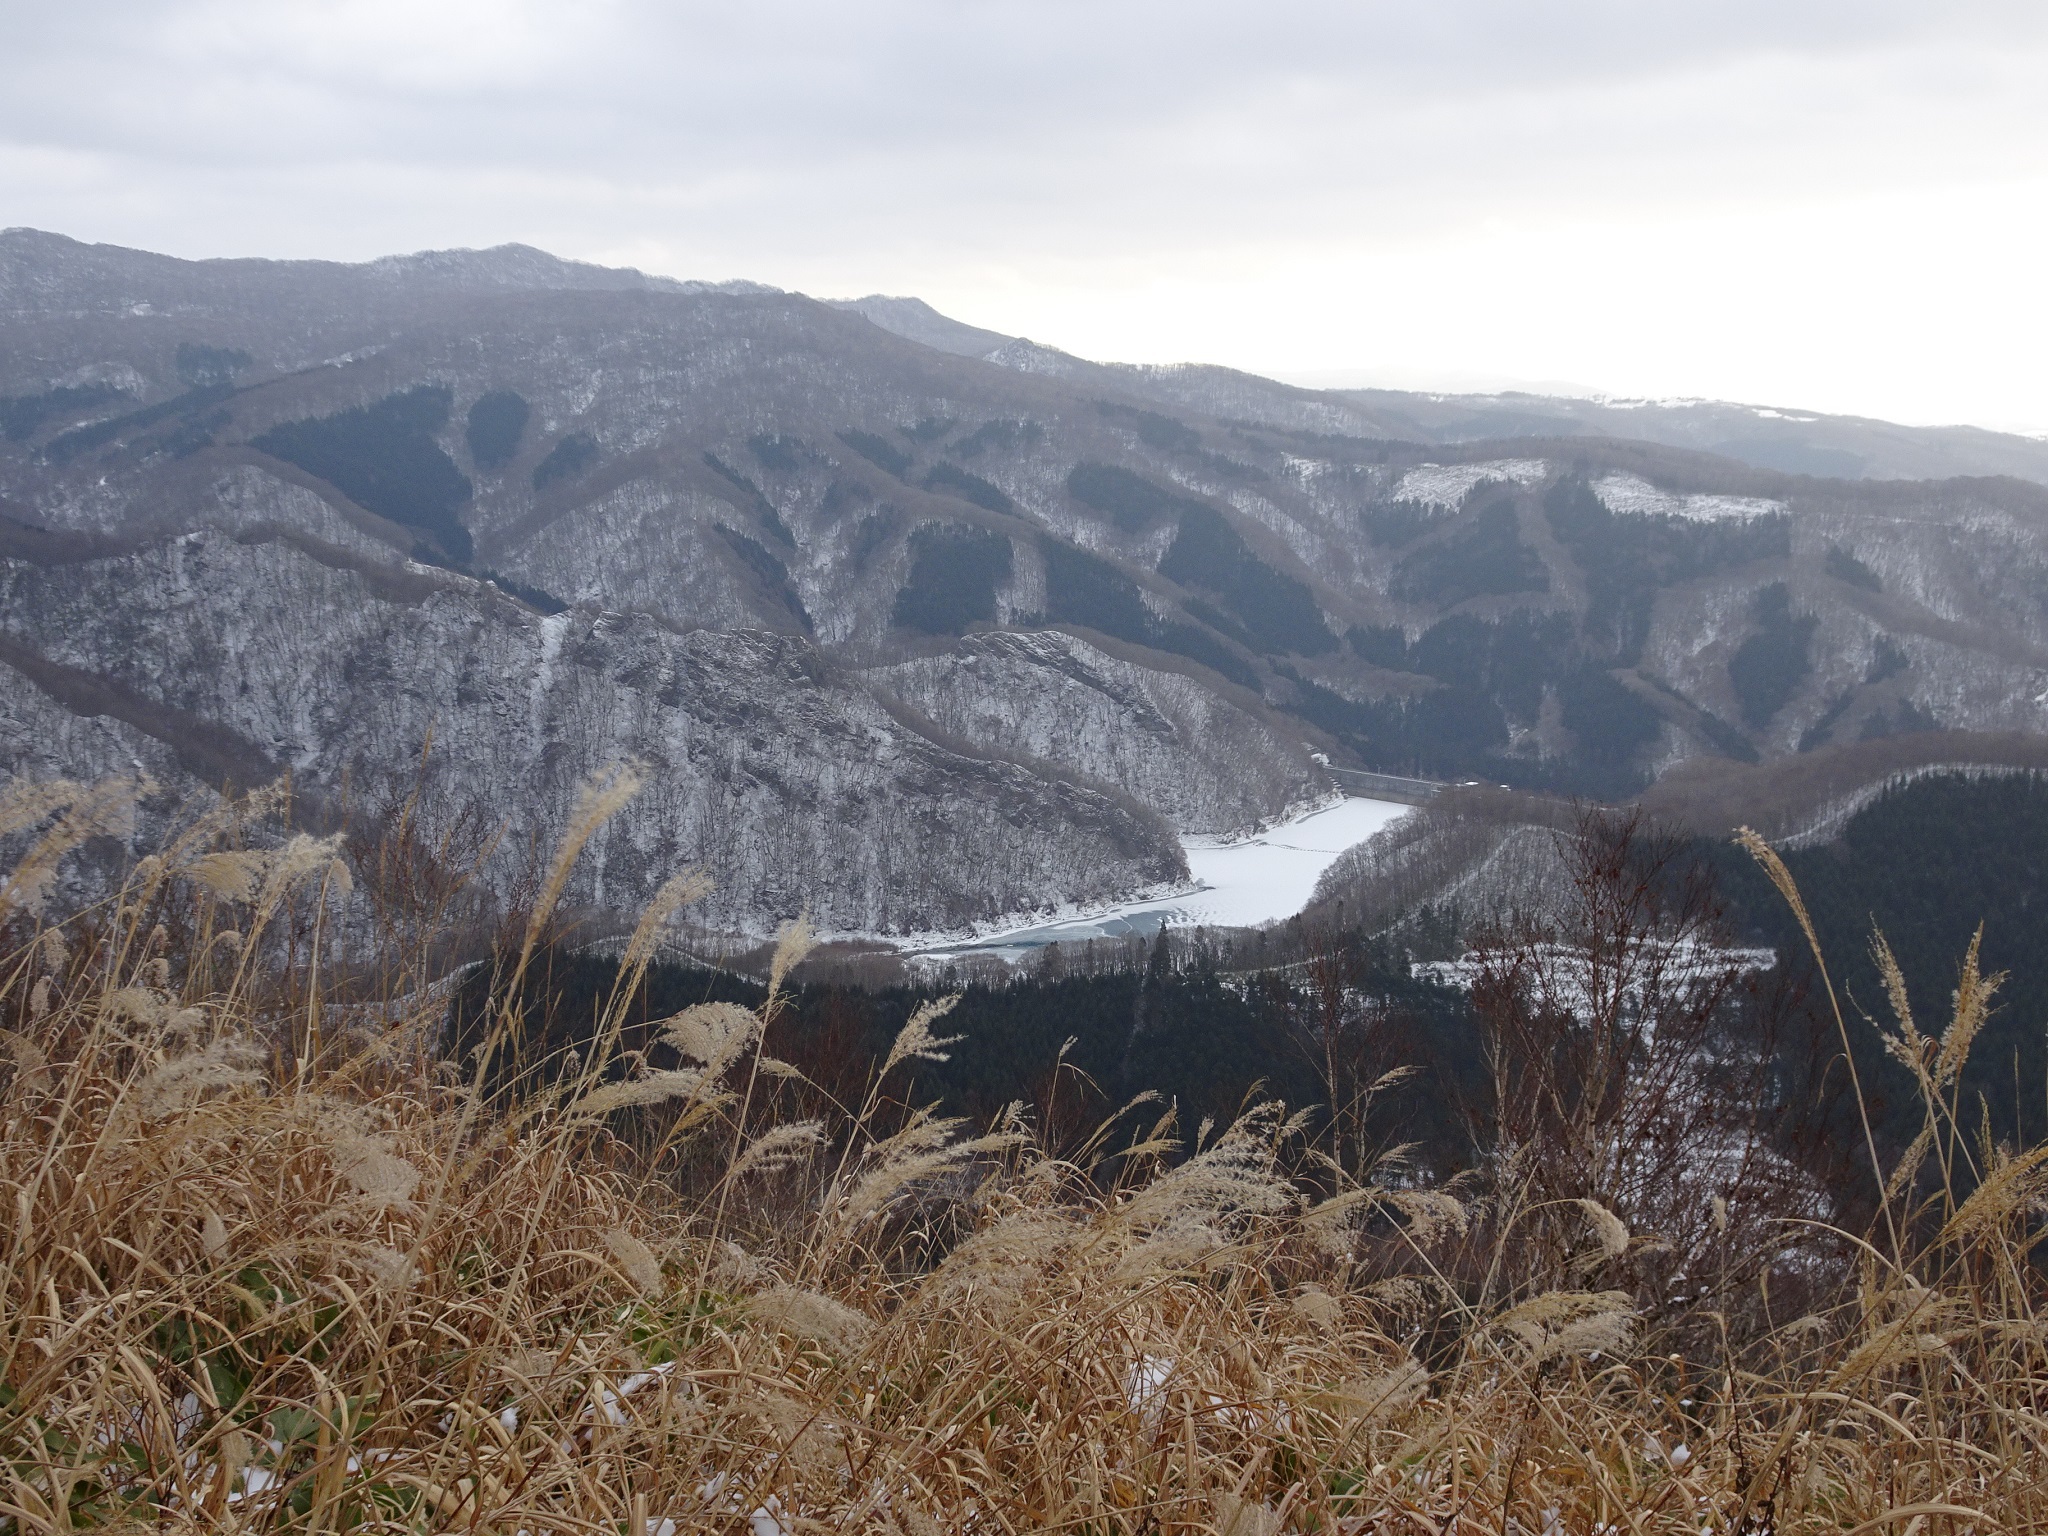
<point x="1241" y="882"/>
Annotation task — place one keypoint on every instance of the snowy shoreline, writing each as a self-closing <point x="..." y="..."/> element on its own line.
<point x="1239" y="882"/>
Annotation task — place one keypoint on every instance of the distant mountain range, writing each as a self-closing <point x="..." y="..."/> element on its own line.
<point x="1793" y="441"/>
<point x="913" y="623"/>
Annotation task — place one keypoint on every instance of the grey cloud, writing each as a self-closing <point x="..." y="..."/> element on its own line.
<point x="842" y="147"/>
<point x="253" y="82"/>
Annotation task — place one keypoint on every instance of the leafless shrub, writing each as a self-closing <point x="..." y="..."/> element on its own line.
<point x="246" y="1284"/>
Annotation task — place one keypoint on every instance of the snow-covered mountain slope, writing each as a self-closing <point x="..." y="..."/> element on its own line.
<point x="766" y="766"/>
<point x="1764" y="437"/>
<point x="918" y="321"/>
<point x="1081" y="602"/>
<point x="1209" y="763"/>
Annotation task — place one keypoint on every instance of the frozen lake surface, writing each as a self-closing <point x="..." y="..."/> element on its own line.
<point x="1242" y="882"/>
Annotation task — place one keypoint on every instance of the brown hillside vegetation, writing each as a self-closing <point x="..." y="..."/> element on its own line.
<point x="1789" y="795"/>
<point x="272" y="1263"/>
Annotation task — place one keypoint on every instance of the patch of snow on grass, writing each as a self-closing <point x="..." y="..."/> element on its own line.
<point x="1633" y="496"/>
<point x="1447" y="485"/>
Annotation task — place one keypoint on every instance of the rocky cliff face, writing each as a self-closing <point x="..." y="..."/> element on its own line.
<point x="908" y="634"/>
<point x="1206" y="762"/>
<point x="765" y="765"/>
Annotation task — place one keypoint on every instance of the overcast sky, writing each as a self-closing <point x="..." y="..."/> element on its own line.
<point x="1835" y="204"/>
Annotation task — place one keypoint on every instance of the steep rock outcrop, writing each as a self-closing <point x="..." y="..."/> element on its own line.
<point x="766" y="765"/>
<point x="1206" y="764"/>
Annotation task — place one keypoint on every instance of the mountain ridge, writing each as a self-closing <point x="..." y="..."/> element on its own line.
<point x="1076" y="578"/>
<point x="1824" y="444"/>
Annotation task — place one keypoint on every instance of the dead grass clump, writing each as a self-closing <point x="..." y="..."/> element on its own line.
<point x="259" y="1273"/>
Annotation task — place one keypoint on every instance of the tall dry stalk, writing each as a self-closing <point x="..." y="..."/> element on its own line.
<point x="248" y="1286"/>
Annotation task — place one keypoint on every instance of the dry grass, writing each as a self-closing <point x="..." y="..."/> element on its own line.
<point x="269" y="1264"/>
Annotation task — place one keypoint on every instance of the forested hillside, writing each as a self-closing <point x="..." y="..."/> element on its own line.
<point x="670" y="1248"/>
<point x="1927" y="857"/>
<point x="1929" y="865"/>
<point x="1126" y="602"/>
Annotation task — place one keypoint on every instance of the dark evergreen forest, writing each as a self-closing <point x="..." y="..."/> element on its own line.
<point x="384" y="457"/>
<point x="497" y="423"/>
<point x="954" y="572"/>
<point x="1210" y="1026"/>
<point x="572" y="457"/>
<point x="1926" y="864"/>
<point x="1076" y="1047"/>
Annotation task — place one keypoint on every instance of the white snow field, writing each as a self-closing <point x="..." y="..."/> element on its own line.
<point x="1447" y="485"/>
<point x="1633" y="496"/>
<point x="1240" y="883"/>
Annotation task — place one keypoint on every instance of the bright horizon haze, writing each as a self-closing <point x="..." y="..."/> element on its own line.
<point x="1812" y="204"/>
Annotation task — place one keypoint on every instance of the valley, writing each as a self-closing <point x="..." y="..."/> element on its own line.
<point x="1247" y="881"/>
<point x="931" y="808"/>
<point x="909" y="626"/>
<point x="831" y="884"/>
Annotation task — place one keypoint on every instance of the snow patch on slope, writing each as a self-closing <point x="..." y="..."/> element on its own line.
<point x="1026" y="356"/>
<point x="1447" y="485"/>
<point x="1633" y="496"/>
<point x="552" y="628"/>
